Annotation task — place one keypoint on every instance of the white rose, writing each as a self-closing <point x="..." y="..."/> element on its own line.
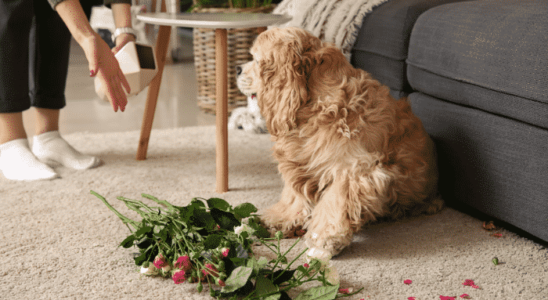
<point x="150" y="271"/>
<point x="243" y="228"/>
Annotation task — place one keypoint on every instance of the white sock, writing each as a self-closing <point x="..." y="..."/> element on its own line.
<point x="51" y="148"/>
<point x="18" y="163"/>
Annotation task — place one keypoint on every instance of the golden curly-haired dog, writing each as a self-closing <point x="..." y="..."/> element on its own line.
<point x="348" y="152"/>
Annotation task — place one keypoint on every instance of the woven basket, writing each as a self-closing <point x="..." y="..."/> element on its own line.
<point x="238" y="44"/>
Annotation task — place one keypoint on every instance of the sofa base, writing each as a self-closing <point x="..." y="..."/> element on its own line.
<point x="496" y="165"/>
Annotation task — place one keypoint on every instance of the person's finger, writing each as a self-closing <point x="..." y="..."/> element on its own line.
<point x="117" y="48"/>
<point x="111" y="95"/>
<point x="124" y="81"/>
<point x="121" y="98"/>
<point x="93" y="65"/>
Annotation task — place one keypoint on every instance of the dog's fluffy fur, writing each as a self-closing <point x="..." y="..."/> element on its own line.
<point x="348" y="152"/>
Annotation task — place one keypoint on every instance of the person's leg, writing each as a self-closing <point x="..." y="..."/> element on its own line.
<point x="16" y="160"/>
<point x="11" y="127"/>
<point x="50" y="57"/>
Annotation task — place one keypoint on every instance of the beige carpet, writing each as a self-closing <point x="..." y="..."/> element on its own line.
<point x="59" y="242"/>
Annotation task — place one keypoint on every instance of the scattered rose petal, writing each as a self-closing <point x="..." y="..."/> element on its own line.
<point x="407" y="281"/>
<point x="447" y="298"/>
<point x="345" y="291"/>
<point x="465" y="296"/>
<point x="470" y="283"/>
<point x="411" y="298"/>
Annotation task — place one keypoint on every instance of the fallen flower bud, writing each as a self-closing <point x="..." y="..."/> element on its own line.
<point x="183" y="262"/>
<point x="160" y="261"/>
<point x="225" y="251"/>
<point x="179" y="277"/>
<point x="220" y="282"/>
<point x="495" y="261"/>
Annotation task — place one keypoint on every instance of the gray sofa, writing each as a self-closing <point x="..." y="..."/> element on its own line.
<point x="476" y="73"/>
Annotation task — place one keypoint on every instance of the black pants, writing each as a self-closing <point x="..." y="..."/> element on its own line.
<point x="34" y="55"/>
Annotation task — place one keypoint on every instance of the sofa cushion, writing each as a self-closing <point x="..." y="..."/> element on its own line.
<point x="491" y="55"/>
<point x="383" y="40"/>
<point x="494" y="164"/>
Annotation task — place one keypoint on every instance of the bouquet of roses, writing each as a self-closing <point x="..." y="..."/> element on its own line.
<point x="208" y="242"/>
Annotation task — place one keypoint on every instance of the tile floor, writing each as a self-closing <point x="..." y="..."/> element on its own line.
<point x="177" y="105"/>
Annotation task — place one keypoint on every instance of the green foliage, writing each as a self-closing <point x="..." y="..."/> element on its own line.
<point x="204" y="233"/>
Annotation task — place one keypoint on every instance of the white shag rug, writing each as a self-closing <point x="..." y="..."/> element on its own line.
<point x="59" y="242"/>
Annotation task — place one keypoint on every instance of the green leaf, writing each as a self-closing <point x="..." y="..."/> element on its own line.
<point x="141" y="259"/>
<point x="244" y="210"/>
<point x="237" y="279"/>
<point x="273" y="297"/>
<point x="285" y="296"/>
<point x="186" y="213"/>
<point x="218" y="204"/>
<point x="260" y="231"/>
<point x="142" y="231"/>
<point x="128" y="242"/>
<point x="203" y="219"/>
<point x="226" y="220"/>
<point x="145" y="243"/>
<point x="197" y="204"/>
<point x="262" y="262"/>
<point x="212" y="241"/>
<point x="282" y="276"/>
<point x="319" y="293"/>
<point x="265" y="286"/>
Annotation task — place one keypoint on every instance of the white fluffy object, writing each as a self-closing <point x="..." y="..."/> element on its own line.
<point x="248" y="118"/>
<point x="334" y="21"/>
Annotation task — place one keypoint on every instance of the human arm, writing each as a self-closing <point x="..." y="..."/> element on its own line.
<point x="122" y="19"/>
<point x="102" y="62"/>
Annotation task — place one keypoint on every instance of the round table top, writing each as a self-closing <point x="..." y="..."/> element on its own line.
<point x="213" y="20"/>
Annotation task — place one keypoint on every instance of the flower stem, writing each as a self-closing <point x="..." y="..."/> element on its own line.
<point x="124" y="219"/>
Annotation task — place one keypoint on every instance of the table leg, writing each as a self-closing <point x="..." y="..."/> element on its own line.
<point x="221" y="79"/>
<point x="162" y="43"/>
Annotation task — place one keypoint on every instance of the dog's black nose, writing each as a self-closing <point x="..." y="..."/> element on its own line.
<point x="238" y="70"/>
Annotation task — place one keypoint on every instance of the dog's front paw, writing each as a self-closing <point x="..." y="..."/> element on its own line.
<point x="333" y="244"/>
<point x="290" y="225"/>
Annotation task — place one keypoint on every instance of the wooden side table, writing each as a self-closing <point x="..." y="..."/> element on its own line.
<point x="220" y="22"/>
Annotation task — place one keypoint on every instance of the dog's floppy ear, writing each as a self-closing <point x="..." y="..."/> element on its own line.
<point x="284" y="72"/>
